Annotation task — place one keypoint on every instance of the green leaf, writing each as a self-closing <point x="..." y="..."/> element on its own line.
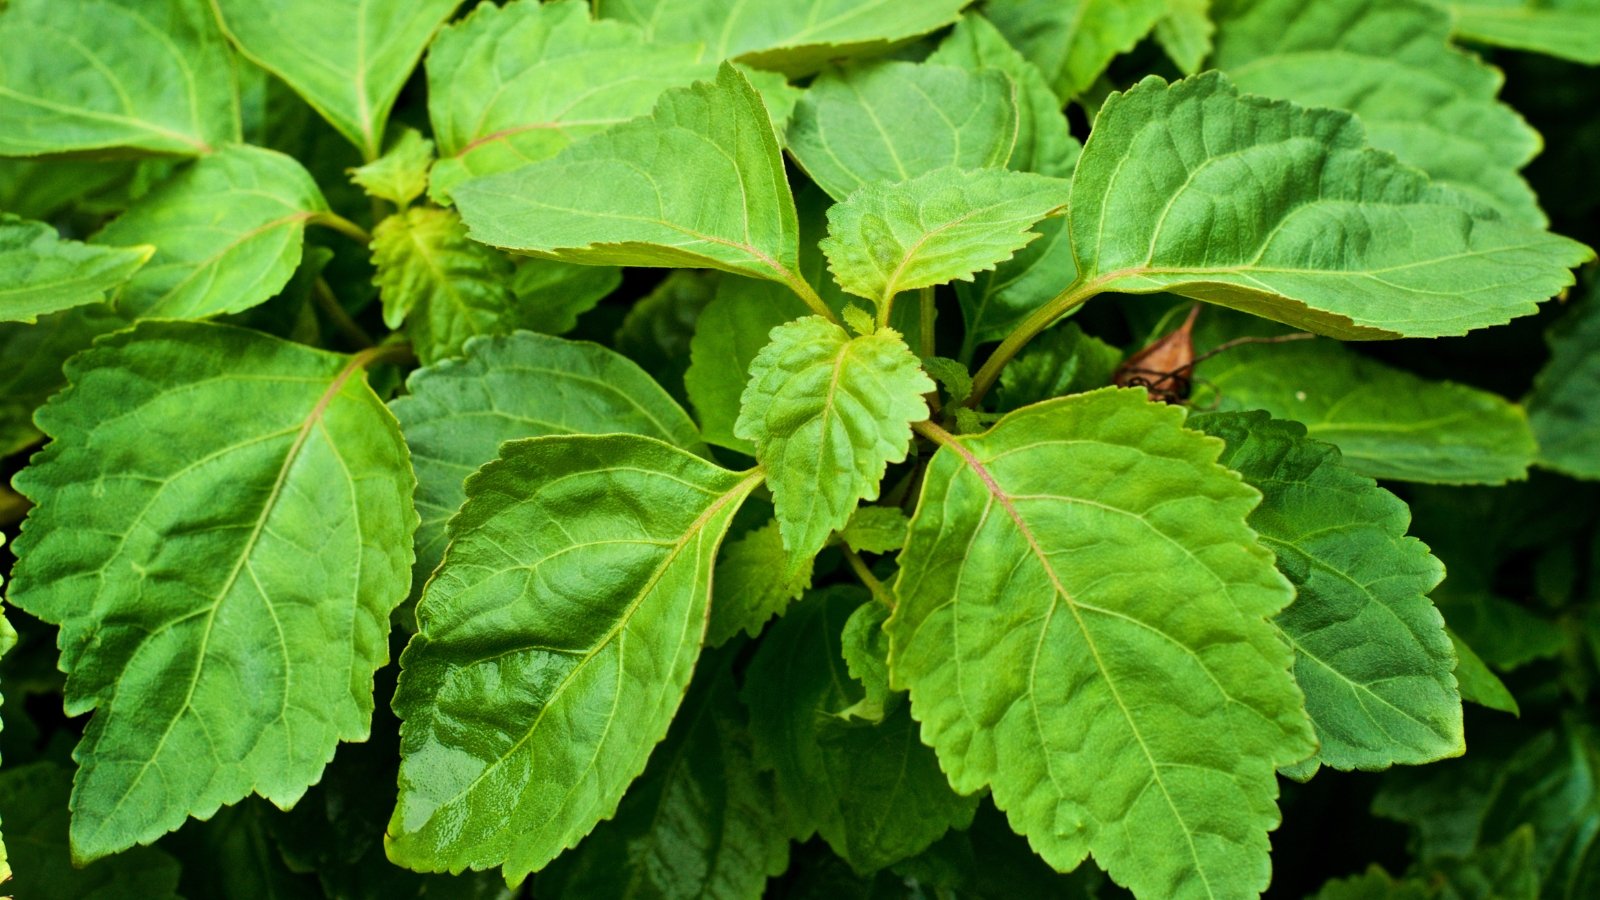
<point x="349" y="59"/>
<point x="1073" y="41"/>
<point x="228" y="231"/>
<point x="149" y="76"/>
<point x="33" y="800"/>
<point x="1106" y="664"/>
<point x="873" y="791"/>
<point x="876" y="529"/>
<point x="1391" y="63"/>
<point x="1564" y="407"/>
<point x="570" y="552"/>
<point x="865" y="648"/>
<point x="34" y="354"/>
<point x="792" y="36"/>
<point x="636" y="195"/>
<point x="658" y="330"/>
<point x="1374" y="884"/>
<point x="731" y="330"/>
<point x="755" y="580"/>
<point x="400" y="175"/>
<point x="936" y="228"/>
<point x="893" y="121"/>
<point x="1186" y="33"/>
<point x="1371" y="652"/>
<point x="1063" y="360"/>
<point x="1272" y="209"/>
<point x="996" y="301"/>
<point x="827" y="413"/>
<point x="1569" y="29"/>
<point x="1478" y="683"/>
<point x="552" y="295"/>
<point x="42" y="273"/>
<point x="699" y="822"/>
<point x="223" y="592"/>
<point x="457" y="413"/>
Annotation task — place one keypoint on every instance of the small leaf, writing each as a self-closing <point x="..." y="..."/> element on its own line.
<point x="400" y="175"/>
<point x="1063" y="360"/>
<point x="445" y="288"/>
<point x="1568" y="29"/>
<point x="876" y="529"/>
<point x="951" y="375"/>
<point x="865" y="649"/>
<point x="731" y="330"/>
<point x="1185" y="33"/>
<point x="827" y="413"/>
<point x="98" y="75"/>
<point x="1109" y="646"/>
<point x="859" y="320"/>
<point x="553" y="646"/>
<point x="755" y="580"/>
<point x="349" y="59"/>
<point x="1271" y="209"/>
<point x="223" y="592"/>
<point x="228" y="231"/>
<point x="1478" y="683"/>
<point x="1073" y="41"/>
<point x="892" y="121"/>
<point x="1564" y="407"/>
<point x="42" y="273"/>
<point x="935" y="228"/>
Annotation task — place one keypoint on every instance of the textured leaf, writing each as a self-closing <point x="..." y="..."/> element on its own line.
<point x="699" y="822"/>
<point x="34" y="354"/>
<point x="401" y="174"/>
<point x="1371" y="652"/>
<point x="447" y="289"/>
<point x="1272" y="209"/>
<point x="1391" y="63"/>
<point x="1374" y="884"/>
<point x="223" y="592"/>
<point x="731" y="330"/>
<point x="1105" y="664"/>
<point x="347" y="58"/>
<point x="1185" y="32"/>
<point x="1063" y="360"/>
<point x="150" y="76"/>
<point x="755" y="581"/>
<point x="893" y="121"/>
<point x="42" y="273"/>
<point x="936" y="228"/>
<point x="1564" y="408"/>
<point x="876" y="529"/>
<point x="865" y="649"/>
<point x="793" y="36"/>
<point x="827" y="413"/>
<point x="228" y="233"/>
<point x="1569" y="29"/>
<point x="1073" y="41"/>
<point x="635" y="195"/>
<point x="457" y="413"/>
<point x="525" y="714"/>
<point x="552" y="295"/>
<point x="873" y="792"/>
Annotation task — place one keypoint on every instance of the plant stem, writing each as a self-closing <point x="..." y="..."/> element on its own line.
<point x="397" y="352"/>
<point x="926" y="314"/>
<point x="1042" y="318"/>
<point x="880" y="592"/>
<point x="934" y="433"/>
<point x="806" y="292"/>
<point x="335" y="311"/>
<point x="344" y="226"/>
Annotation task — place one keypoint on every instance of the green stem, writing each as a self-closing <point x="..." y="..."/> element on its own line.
<point x="335" y="311"/>
<point x="1043" y="317"/>
<point x="344" y="226"/>
<point x="880" y="591"/>
<point x="396" y="351"/>
<point x="926" y="315"/>
<point x="807" y="293"/>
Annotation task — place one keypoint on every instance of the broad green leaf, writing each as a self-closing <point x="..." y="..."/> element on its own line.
<point x="1063" y="360"/>
<point x="1073" y="41"/>
<point x="1391" y="63"/>
<point x="1388" y="422"/>
<point x="700" y="821"/>
<point x="228" y="232"/>
<point x="552" y="295"/>
<point x="1478" y="684"/>
<point x="873" y="791"/>
<point x="1272" y="209"/>
<point x="401" y="174"/>
<point x="1569" y="29"/>
<point x="34" y="354"/>
<point x="755" y="580"/>
<point x="516" y="84"/>
<point x="1186" y="32"/>
<point x="792" y="36"/>
<point x="827" y="413"/>
<point x="458" y="412"/>
<point x="1044" y="141"/>
<point x="636" y="195"/>
<point x="1106" y="663"/>
<point x="150" y="76"/>
<point x="1371" y="652"/>
<point x="347" y="58"/>
<point x="223" y="592"/>
<point x="525" y="714"/>
<point x="731" y="330"/>
<point x="33" y="800"/>
<point x="1564" y="407"/>
<point x="43" y="273"/>
<point x="936" y="228"/>
<point x="893" y="121"/>
<point x="876" y="529"/>
<point x="232" y="855"/>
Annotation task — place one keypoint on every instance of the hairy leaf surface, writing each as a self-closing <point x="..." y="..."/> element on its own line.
<point x="43" y="273"/>
<point x="445" y="288"/>
<point x="1073" y="41"/>
<point x="223" y="592"/>
<point x="1564" y="408"/>
<point x="400" y="175"/>
<point x="553" y="646"/>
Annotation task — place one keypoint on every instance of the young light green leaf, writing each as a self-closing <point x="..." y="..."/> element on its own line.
<point x="348" y="59"/>
<point x="43" y="273"/>
<point x="865" y="649"/>
<point x="1185" y="32"/>
<point x="34" y="354"/>
<point x="1564" y="407"/>
<point x="552" y="295"/>
<point x="873" y="791"/>
<point x="223" y="592"/>
<point x="755" y="580"/>
<point x="458" y="412"/>
<point x="96" y="75"/>
<point x="577" y="578"/>
<point x="793" y="36"/>
<point x="635" y="195"/>
<point x="400" y="175"/>
<point x="1371" y="652"/>
<point x="228" y="232"/>
<point x="1269" y="208"/>
<point x="1063" y="360"/>
<point x="731" y="330"/>
<point x="700" y="822"/>
<point x="516" y="84"/>
<point x="1107" y="664"/>
<point x="876" y="529"/>
<point x="827" y="413"/>
<point x="1073" y="41"/>
<point x="444" y="287"/>
<point x="1391" y="63"/>
<point x="936" y="228"/>
<point x="1569" y="29"/>
<point x="892" y="121"/>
